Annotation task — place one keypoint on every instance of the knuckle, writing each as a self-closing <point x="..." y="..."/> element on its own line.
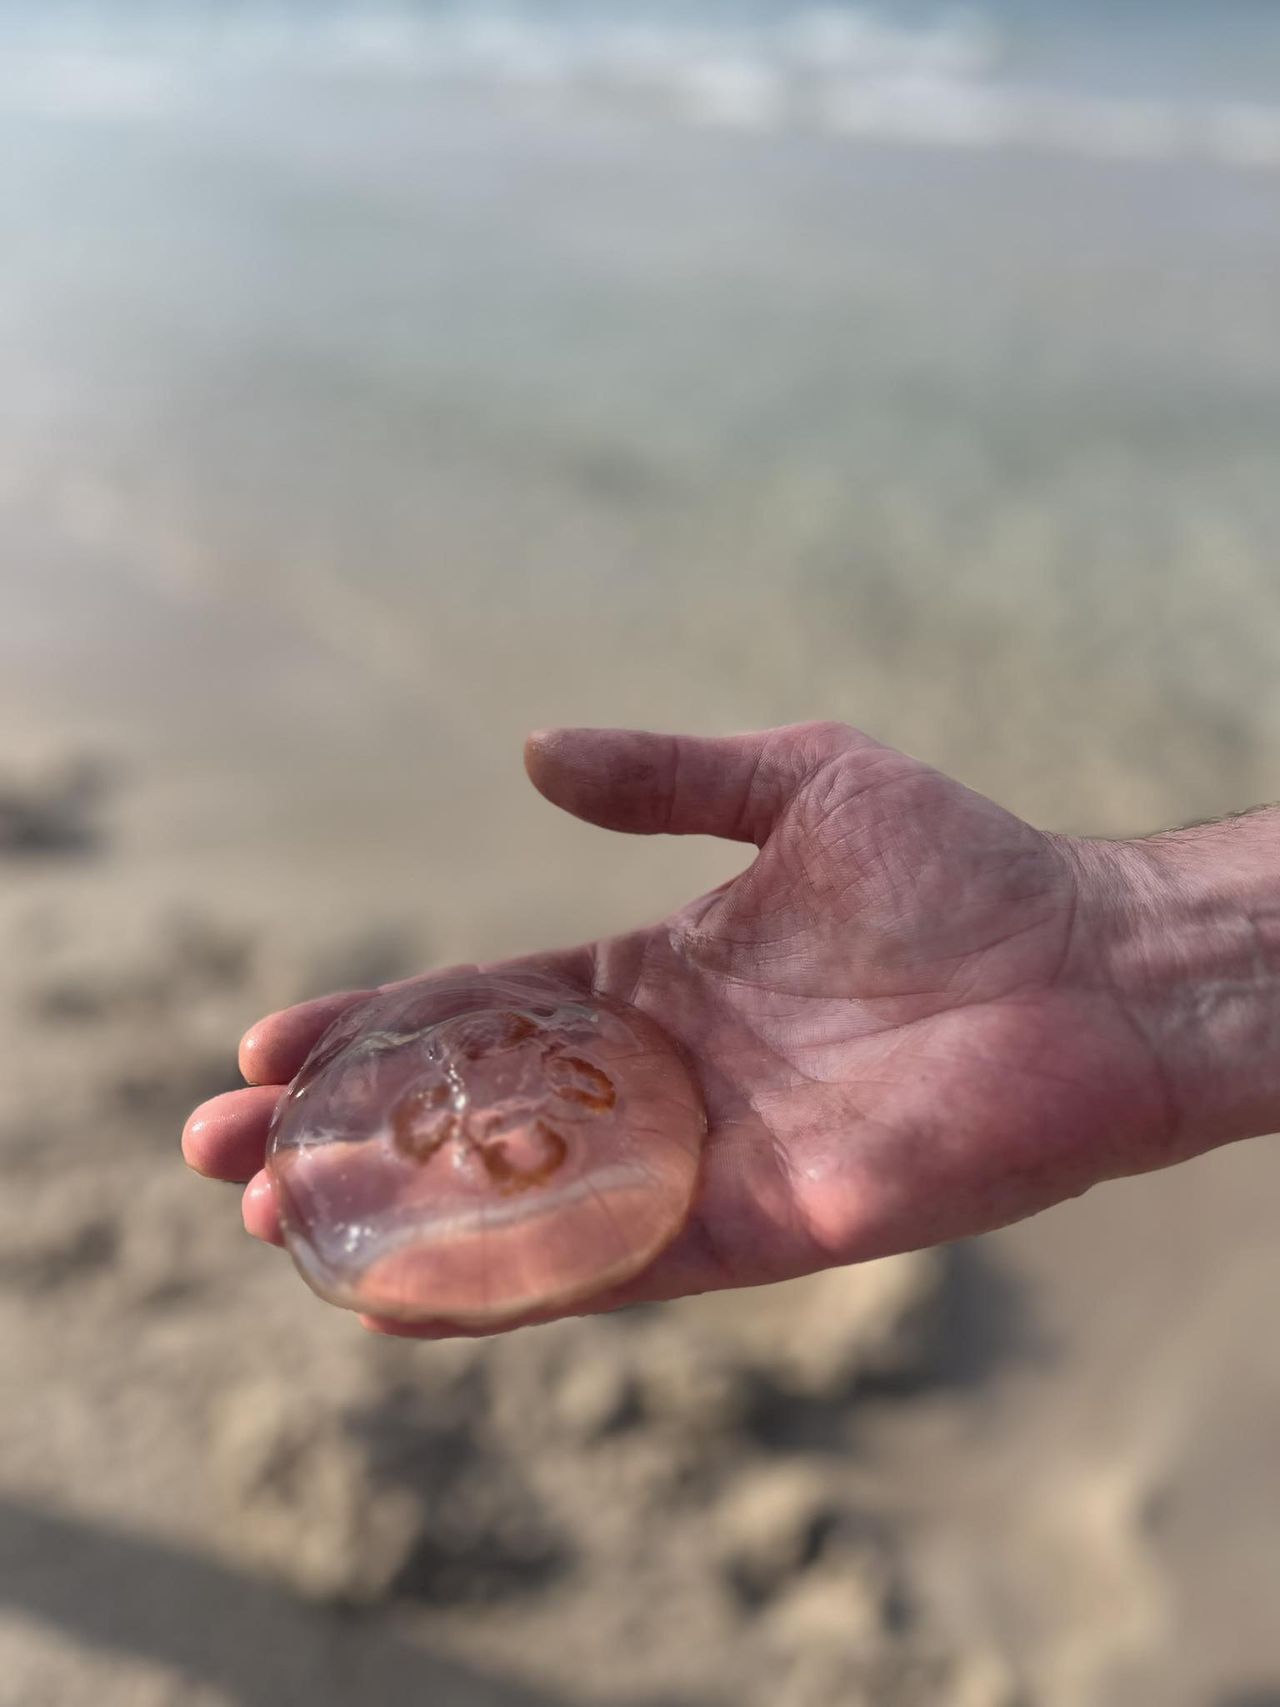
<point x="825" y="740"/>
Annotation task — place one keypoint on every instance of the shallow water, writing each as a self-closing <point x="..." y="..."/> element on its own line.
<point x="428" y="407"/>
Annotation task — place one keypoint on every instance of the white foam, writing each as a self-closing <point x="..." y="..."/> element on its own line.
<point x="843" y="70"/>
<point x="741" y="93"/>
<point x="1244" y="135"/>
<point x="917" y="109"/>
<point x="71" y="84"/>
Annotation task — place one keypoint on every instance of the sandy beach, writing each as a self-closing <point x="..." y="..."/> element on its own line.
<point x="345" y="436"/>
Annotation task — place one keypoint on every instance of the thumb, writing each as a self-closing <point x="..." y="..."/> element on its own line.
<point x="683" y="785"/>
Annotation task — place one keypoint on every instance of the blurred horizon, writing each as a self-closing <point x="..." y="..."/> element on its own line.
<point x="994" y="74"/>
<point x="908" y="337"/>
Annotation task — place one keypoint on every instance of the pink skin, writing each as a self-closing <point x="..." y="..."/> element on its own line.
<point x="914" y="1017"/>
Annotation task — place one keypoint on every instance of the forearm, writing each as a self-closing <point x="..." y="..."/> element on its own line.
<point x="1192" y="922"/>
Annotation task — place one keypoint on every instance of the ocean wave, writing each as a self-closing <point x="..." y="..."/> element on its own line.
<point x="835" y="70"/>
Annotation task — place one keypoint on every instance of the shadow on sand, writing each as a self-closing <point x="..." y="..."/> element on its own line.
<point x="133" y="1596"/>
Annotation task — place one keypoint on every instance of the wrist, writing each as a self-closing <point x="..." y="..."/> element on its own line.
<point x="1190" y="940"/>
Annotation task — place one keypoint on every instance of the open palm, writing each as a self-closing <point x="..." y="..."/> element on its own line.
<point x="901" y="1012"/>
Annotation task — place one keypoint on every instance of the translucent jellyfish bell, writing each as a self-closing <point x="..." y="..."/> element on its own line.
<point x="484" y="1146"/>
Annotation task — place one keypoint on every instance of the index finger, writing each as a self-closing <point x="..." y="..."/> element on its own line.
<point x="273" y="1049"/>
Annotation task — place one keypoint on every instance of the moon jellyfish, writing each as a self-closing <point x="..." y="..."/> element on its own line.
<point x="482" y="1146"/>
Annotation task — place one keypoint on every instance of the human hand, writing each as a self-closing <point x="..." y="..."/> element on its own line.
<point x="913" y="1016"/>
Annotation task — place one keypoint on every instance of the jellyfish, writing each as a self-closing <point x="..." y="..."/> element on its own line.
<point x="480" y="1148"/>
